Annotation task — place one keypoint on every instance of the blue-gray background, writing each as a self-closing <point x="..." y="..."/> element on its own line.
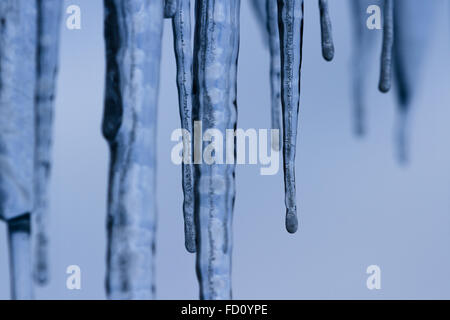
<point x="357" y="206"/>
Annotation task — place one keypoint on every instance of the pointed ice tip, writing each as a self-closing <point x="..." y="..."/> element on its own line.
<point x="291" y="221"/>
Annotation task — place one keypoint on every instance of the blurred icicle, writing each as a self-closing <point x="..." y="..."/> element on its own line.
<point x="363" y="51"/>
<point x="18" y="39"/>
<point x="20" y="257"/>
<point x="49" y="18"/>
<point x="181" y="25"/>
<point x="410" y="45"/>
<point x="133" y="32"/>
<point x="215" y="83"/>
<point x="170" y="7"/>
<point x="267" y="14"/>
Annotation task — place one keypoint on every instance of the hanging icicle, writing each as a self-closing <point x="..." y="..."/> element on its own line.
<point x="363" y="50"/>
<point x="181" y="25"/>
<point x="327" y="37"/>
<point x="388" y="43"/>
<point x="215" y="82"/>
<point x="409" y="53"/>
<point x="18" y="30"/>
<point x="49" y="18"/>
<point x="133" y="32"/>
<point x="290" y="14"/>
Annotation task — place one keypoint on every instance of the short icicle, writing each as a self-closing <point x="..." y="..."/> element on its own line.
<point x="215" y="81"/>
<point x="290" y="14"/>
<point x="133" y="35"/>
<point x="181" y="24"/>
<point x="327" y="36"/>
<point x="49" y="18"/>
<point x="388" y="43"/>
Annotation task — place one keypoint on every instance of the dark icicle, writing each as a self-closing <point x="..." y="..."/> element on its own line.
<point x="181" y="24"/>
<point x="388" y="43"/>
<point x="364" y="43"/>
<point x="410" y="47"/>
<point x="49" y="18"/>
<point x="290" y="13"/>
<point x="18" y="39"/>
<point x="327" y="37"/>
<point x="133" y="32"/>
<point x="215" y="70"/>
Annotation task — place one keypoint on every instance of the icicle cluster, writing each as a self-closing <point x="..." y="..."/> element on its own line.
<point x="207" y="92"/>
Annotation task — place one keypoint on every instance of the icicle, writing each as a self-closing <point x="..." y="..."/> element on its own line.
<point x="327" y="37"/>
<point x="388" y="42"/>
<point x="291" y="37"/>
<point x="18" y="30"/>
<point x="20" y="257"/>
<point x="275" y="70"/>
<point x="133" y="32"/>
<point x="364" y="42"/>
<point x="49" y="16"/>
<point x="181" y="24"/>
<point x="410" y="47"/>
<point x="215" y="70"/>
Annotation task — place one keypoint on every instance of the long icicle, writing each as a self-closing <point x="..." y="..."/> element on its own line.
<point x="215" y="83"/>
<point x="133" y="35"/>
<point x="18" y="42"/>
<point x="388" y="43"/>
<point x="181" y="25"/>
<point x="327" y="36"/>
<point x="49" y="18"/>
<point x="290" y="13"/>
